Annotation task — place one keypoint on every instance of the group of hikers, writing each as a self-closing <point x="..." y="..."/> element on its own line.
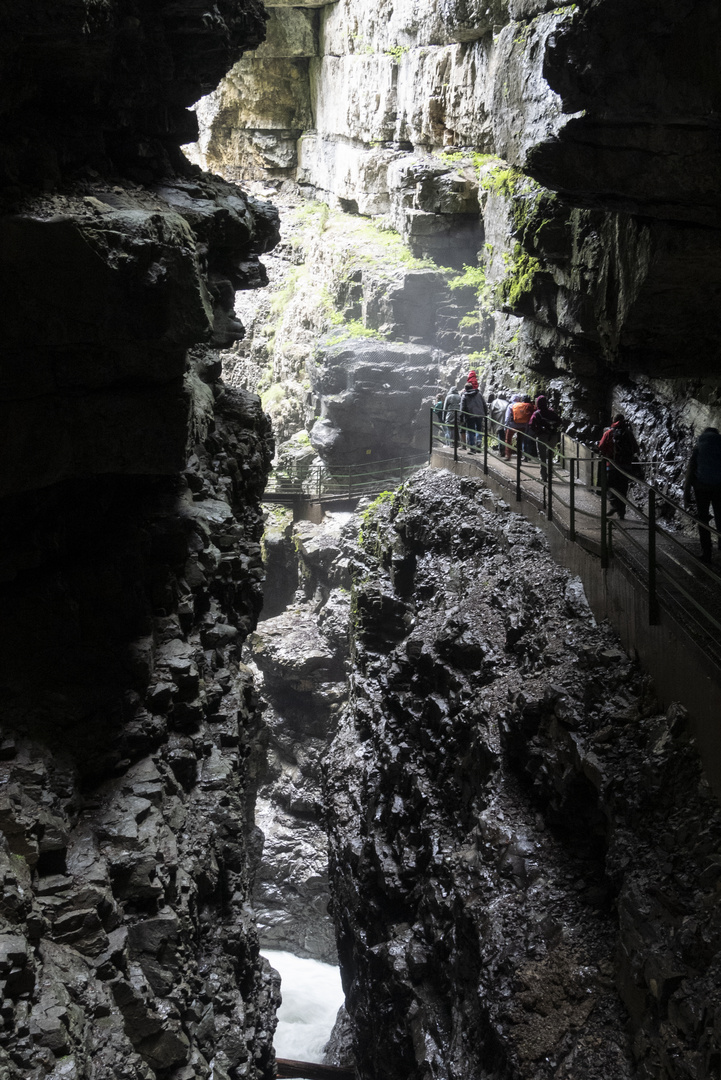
<point x="537" y="427"/>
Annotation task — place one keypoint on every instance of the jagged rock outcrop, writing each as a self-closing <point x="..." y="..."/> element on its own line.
<point x="129" y="759"/>
<point x="523" y="864"/>
<point x="371" y="393"/>
<point x="302" y="658"/>
<point x="131" y="554"/>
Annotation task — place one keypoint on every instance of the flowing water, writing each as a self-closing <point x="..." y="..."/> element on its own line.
<point x="312" y="995"/>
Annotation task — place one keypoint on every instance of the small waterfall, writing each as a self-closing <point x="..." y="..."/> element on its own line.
<point x="312" y="995"/>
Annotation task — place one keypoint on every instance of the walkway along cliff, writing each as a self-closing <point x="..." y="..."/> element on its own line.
<point x="524" y="855"/>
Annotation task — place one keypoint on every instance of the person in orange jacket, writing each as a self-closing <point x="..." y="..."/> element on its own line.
<point x="518" y="416"/>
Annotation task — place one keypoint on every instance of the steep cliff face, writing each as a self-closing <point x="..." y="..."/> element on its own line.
<point x="595" y="279"/>
<point x="301" y="656"/>
<point x="129" y="767"/>
<point x="131" y="554"/>
<point x="351" y="341"/>
<point x="523" y="864"/>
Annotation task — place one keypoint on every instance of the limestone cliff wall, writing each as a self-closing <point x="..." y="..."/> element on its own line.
<point x="131" y="569"/>
<point x="422" y="112"/>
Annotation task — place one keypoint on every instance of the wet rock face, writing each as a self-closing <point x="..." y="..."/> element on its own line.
<point x="131" y="569"/>
<point x="129" y="758"/>
<point x="302" y="658"/>
<point x="371" y="395"/>
<point x="495" y="798"/>
<point x="128" y="78"/>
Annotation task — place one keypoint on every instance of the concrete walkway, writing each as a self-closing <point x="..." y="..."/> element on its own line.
<point x="659" y="620"/>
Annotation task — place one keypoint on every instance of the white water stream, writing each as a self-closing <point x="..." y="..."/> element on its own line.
<point x="312" y="995"/>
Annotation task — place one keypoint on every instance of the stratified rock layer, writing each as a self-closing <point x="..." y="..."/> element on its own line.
<point x="524" y="864"/>
<point x="598" y="283"/>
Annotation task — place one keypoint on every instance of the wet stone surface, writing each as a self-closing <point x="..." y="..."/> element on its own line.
<point x="524" y="855"/>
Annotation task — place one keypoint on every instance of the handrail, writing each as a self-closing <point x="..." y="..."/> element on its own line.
<point x="311" y="1070"/>
<point x="350" y="481"/>
<point x="599" y="464"/>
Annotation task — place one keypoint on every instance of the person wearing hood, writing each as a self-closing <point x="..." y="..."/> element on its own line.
<point x="620" y="448"/>
<point x="473" y="379"/>
<point x="703" y="482"/>
<point x="451" y="406"/>
<point x="543" y="426"/>
<point x="473" y="410"/>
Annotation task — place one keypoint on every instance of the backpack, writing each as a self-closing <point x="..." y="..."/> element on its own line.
<point x="522" y="411"/>
<point x="619" y="445"/>
<point x="607" y="444"/>
<point x="545" y="428"/>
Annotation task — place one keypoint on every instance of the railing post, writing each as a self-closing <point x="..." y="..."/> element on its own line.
<point x="485" y="444"/>
<point x="572" y="507"/>
<point x="455" y="434"/>
<point x="549" y="460"/>
<point x="602" y="476"/>
<point x="350" y="481"/>
<point x="519" y="456"/>
<point x="652" y="595"/>
<point x="320" y="476"/>
<point x="430" y="444"/>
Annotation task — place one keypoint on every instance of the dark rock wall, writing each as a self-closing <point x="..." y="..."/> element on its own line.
<point x="106" y="84"/>
<point x="129" y="763"/>
<point x="523" y="862"/>
<point x="131" y="564"/>
<point x="638" y="144"/>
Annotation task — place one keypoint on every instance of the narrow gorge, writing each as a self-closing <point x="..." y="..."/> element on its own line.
<point x="239" y="239"/>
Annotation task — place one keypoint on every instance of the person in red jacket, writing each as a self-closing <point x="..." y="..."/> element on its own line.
<point x="620" y="449"/>
<point x="473" y="379"/>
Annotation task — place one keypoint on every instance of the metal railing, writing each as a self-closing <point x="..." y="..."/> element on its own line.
<point x="322" y="482"/>
<point x="560" y="488"/>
